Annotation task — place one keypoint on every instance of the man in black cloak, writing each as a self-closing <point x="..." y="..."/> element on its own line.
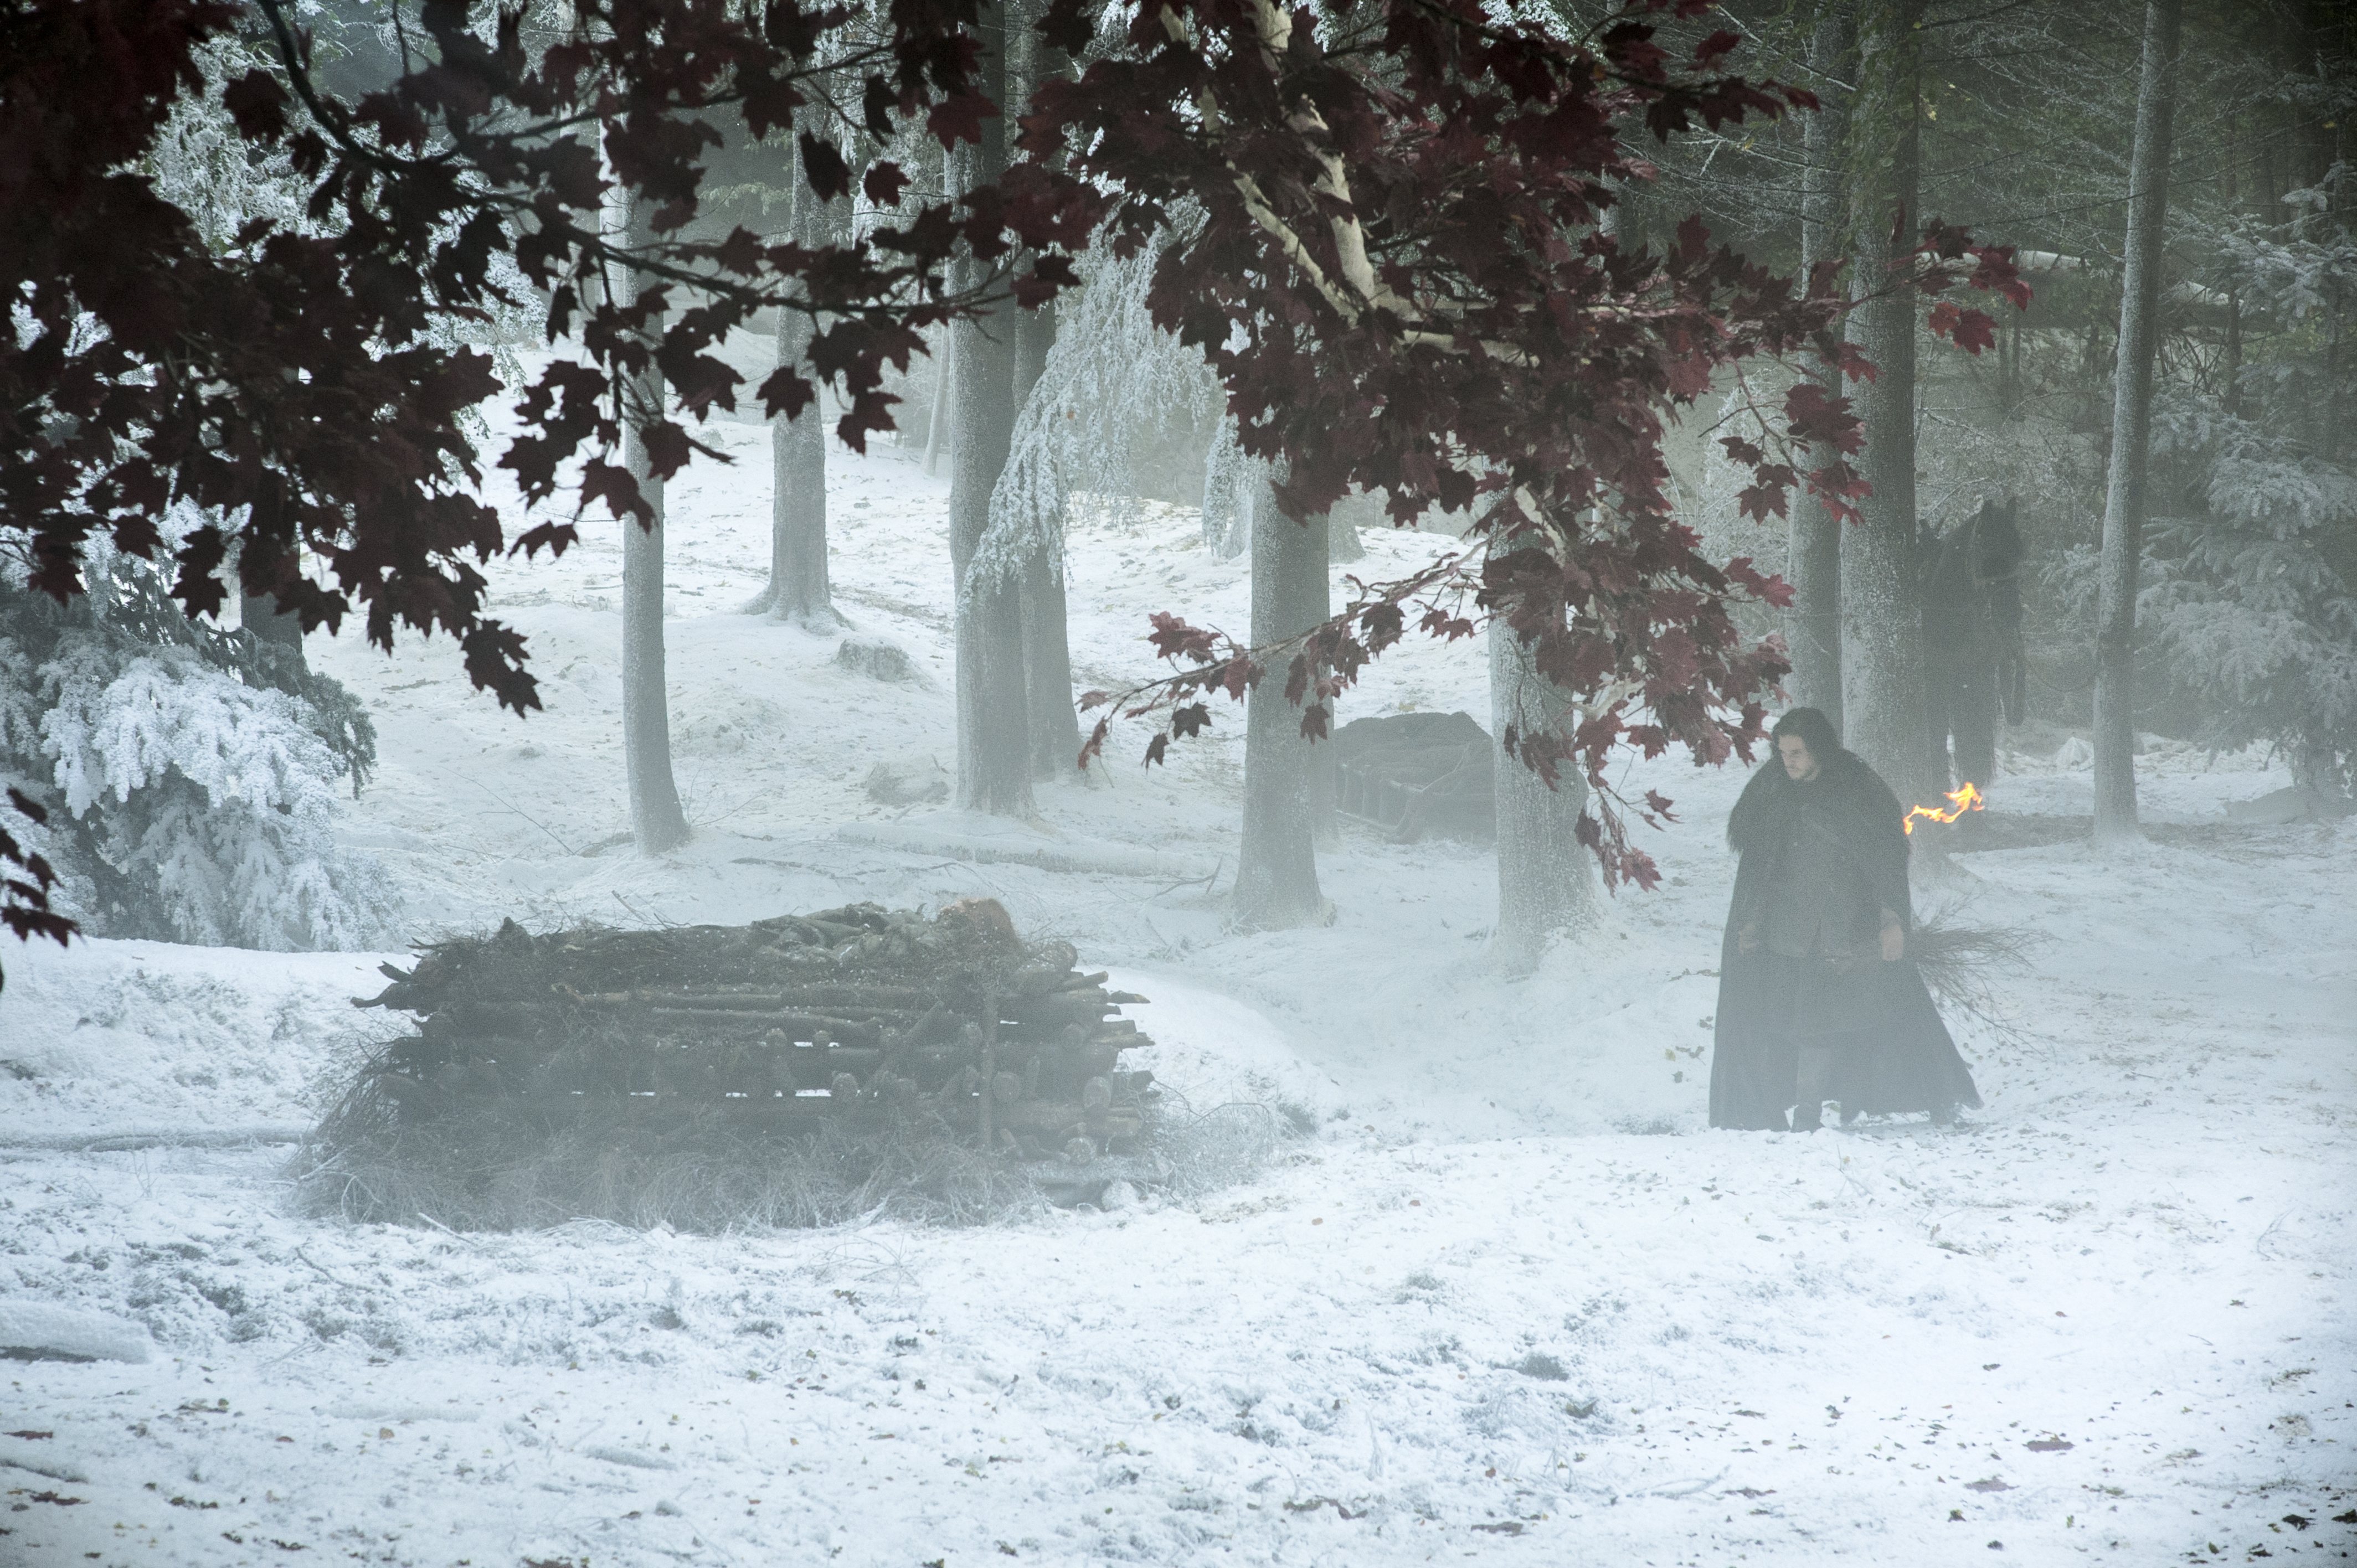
<point x="1818" y="999"/>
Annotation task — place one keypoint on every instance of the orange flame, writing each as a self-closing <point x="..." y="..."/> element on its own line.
<point x="1962" y="801"/>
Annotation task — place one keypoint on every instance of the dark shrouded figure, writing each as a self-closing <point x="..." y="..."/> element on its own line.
<point x="1972" y="659"/>
<point x="1818" y="999"/>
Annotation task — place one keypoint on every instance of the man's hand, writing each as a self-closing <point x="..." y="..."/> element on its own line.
<point x="1894" y="938"/>
<point x="1747" y="939"/>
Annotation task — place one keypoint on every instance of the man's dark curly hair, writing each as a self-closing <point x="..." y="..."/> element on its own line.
<point x="1814" y="728"/>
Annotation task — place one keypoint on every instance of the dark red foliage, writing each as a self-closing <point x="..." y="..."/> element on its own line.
<point x="1390" y="246"/>
<point x="294" y="386"/>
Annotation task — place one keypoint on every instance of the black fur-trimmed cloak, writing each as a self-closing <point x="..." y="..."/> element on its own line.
<point x="1905" y="1060"/>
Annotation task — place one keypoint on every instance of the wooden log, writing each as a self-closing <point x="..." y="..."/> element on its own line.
<point x="817" y="996"/>
<point x="1062" y="1007"/>
<point x="1053" y="1117"/>
<point x="792" y="1023"/>
<point x="1038" y="979"/>
<point x="1045" y="1116"/>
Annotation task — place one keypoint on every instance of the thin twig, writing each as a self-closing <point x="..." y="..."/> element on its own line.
<point x="638" y="913"/>
<point x="454" y="1235"/>
<point x="323" y="1274"/>
<point x="527" y="816"/>
<point x="1205" y="882"/>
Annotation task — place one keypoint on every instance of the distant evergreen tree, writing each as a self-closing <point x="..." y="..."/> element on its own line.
<point x="189" y="772"/>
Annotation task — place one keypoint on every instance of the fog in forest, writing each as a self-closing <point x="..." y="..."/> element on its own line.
<point x="794" y="784"/>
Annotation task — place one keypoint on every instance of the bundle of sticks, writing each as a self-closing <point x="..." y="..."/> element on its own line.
<point x="859" y="1011"/>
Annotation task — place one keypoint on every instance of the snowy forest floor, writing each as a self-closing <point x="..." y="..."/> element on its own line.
<point x="1512" y="1300"/>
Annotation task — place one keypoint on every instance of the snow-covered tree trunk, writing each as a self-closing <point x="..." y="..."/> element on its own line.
<point x="1276" y="867"/>
<point x="1814" y="559"/>
<point x="1547" y="881"/>
<point x="1884" y="712"/>
<point x="992" y="730"/>
<point x="1342" y="542"/>
<point x="938" y="434"/>
<point x="657" y="823"/>
<point x="2124" y="501"/>
<point x="941" y="433"/>
<point x="799" y="590"/>
<point x="1046" y="648"/>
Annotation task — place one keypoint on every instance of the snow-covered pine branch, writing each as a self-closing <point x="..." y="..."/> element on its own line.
<point x="1111" y="376"/>
<point x="190" y="773"/>
<point x="2249" y="597"/>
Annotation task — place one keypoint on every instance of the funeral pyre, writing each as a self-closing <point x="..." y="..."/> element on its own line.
<point x="859" y="1017"/>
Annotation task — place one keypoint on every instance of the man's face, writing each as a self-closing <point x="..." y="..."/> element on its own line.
<point x="1799" y="764"/>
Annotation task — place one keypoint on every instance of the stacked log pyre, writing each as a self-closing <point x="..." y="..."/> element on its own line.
<point x="858" y="1012"/>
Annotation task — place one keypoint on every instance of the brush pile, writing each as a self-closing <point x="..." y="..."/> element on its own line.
<point x="849" y="1027"/>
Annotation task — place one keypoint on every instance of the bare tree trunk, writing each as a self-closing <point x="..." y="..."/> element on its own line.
<point x="1547" y="881"/>
<point x="799" y="589"/>
<point x="1815" y="557"/>
<point x="994" y="731"/>
<point x="1886" y="718"/>
<point x="1047" y="646"/>
<point x="2125" y="502"/>
<point x="657" y="822"/>
<point x="941" y="436"/>
<point x="1276" y="867"/>
<point x="938" y="434"/>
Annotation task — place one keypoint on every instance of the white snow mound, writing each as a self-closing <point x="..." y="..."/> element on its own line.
<point x="41" y="1330"/>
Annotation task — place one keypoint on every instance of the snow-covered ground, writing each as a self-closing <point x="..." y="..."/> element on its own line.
<point x="1512" y="1300"/>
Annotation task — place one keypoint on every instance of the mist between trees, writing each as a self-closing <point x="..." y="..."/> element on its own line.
<point x="1688" y="357"/>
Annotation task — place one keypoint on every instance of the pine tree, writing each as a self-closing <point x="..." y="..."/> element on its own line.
<point x="188" y="773"/>
<point x="1227" y="503"/>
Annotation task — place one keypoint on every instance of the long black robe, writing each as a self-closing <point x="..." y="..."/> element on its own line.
<point x="1903" y="1059"/>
